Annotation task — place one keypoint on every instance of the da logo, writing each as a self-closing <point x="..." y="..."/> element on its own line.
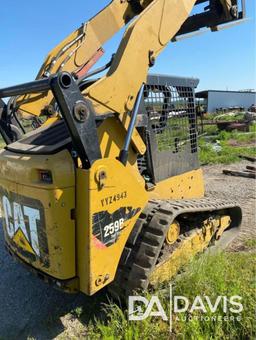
<point x="23" y="221"/>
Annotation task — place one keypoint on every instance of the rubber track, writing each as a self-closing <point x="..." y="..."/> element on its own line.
<point x="146" y="240"/>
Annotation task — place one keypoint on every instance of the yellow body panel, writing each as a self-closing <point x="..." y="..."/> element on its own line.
<point x="122" y="197"/>
<point x="111" y="134"/>
<point x="188" y="185"/>
<point x="20" y="184"/>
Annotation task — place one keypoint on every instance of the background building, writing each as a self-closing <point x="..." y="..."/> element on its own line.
<point x="214" y="100"/>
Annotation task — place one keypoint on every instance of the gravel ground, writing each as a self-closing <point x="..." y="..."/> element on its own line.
<point x="242" y="190"/>
<point x="29" y="308"/>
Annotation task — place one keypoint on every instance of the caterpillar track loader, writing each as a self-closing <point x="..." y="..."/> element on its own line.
<point x="106" y="189"/>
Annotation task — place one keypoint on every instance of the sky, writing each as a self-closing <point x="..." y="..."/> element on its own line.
<point x="30" y="29"/>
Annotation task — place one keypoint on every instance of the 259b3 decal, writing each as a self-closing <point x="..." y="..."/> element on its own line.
<point x="107" y="227"/>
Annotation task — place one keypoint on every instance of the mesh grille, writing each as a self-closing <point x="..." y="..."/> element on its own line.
<point x="171" y="112"/>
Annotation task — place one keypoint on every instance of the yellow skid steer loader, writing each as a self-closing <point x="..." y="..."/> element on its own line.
<point x="107" y="189"/>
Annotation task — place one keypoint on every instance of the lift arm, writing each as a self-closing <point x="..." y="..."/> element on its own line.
<point x="159" y="22"/>
<point x="144" y="39"/>
<point x="81" y="49"/>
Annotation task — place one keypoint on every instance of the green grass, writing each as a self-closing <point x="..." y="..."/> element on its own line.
<point x="227" y="155"/>
<point x="2" y="143"/>
<point x="239" y="136"/>
<point x="253" y="127"/>
<point x="230" y="118"/>
<point x="209" y="116"/>
<point x="210" y="130"/>
<point x="224" y="116"/>
<point x="225" y="274"/>
<point x="232" y="144"/>
<point x="250" y="243"/>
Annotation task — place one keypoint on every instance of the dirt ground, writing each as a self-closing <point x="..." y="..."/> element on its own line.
<point x="31" y="309"/>
<point x="242" y="190"/>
